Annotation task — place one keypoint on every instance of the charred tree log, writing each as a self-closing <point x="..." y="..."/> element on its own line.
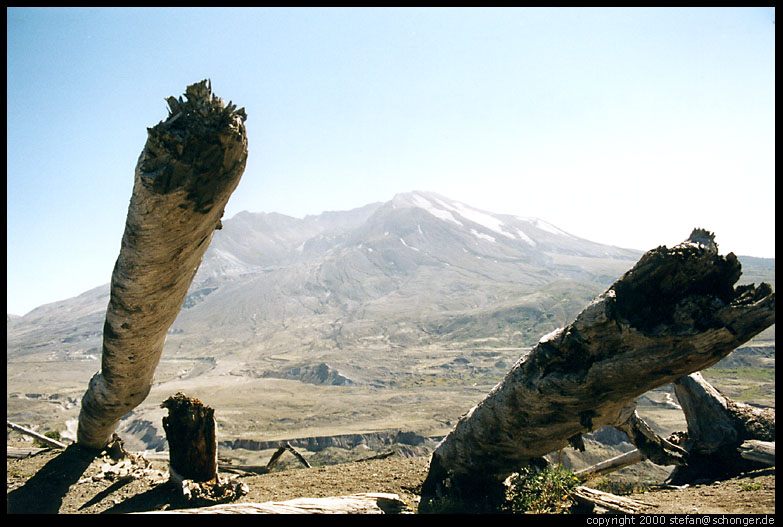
<point x="717" y="429"/>
<point x="191" y="433"/>
<point x="675" y="312"/>
<point x="189" y="167"/>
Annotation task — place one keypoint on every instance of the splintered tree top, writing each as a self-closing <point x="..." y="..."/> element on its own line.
<point x="202" y="142"/>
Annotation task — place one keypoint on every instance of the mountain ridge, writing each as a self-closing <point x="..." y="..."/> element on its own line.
<point x="399" y="314"/>
<point x="261" y="243"/>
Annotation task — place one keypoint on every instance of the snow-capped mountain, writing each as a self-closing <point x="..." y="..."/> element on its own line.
<point x="385" y="303"/>
<point x="420" y="267"/>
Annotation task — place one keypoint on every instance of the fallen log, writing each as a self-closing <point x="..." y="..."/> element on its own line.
<point x="610" y="465"/>
<point x="190" y="165"/>
<point x="369" y="503"/>
<point x="718" y="427"/>
<point x="22" y="452"/>
<point x="760" y="451"/>
<point x="607" y="501"/>
<point x="40" y="437"/>
<point x="675" y="312"/>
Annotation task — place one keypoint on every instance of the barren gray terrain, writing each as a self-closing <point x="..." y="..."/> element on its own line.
<point x="339" y="331"/>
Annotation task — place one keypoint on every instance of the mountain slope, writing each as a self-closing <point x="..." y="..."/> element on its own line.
<point x="418" y="269"/>
<point x="397" y="314"/>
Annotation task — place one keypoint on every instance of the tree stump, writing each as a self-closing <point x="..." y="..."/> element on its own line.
<point x="675" y="312"/>
<point x="191" y="432"/>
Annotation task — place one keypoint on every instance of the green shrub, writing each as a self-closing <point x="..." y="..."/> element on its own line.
<point x="51" y="434"/>
<point x="544" y="491"/>
<point x="620" y="487"/>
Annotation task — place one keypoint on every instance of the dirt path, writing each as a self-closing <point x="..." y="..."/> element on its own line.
<point x="66" y="482"/>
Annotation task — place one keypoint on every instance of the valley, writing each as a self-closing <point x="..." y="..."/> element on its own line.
<point x="356" y="326"/>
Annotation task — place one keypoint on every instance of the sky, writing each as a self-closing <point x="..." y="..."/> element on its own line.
<point x="625" y="126"/>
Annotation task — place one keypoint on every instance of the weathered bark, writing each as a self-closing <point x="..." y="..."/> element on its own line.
<point x="717" y="429"/>
<point x="605" y="500"/>
<point x="760" y="451"/>
<point x="189" y="167"/>
<point x="368" y="503"/>
<point x="654" y="447"/>
<point x="191" y="433"/>
<point x="674" y="313"/>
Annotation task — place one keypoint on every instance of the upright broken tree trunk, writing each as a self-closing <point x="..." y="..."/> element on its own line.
<point x="674" y="313"/>
<point x="192" y="436"/>
<point x="717" y="429"/>
<point x="189" y="167"/>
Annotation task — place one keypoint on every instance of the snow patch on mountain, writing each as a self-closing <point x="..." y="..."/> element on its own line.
<point x="408" y="246"/>
<point x="544" y="226"/>
<point x="440" y="213"/>
<point x="481" y="235"/>
<point x="525" y="238"/>
<point x="476" y="216"/>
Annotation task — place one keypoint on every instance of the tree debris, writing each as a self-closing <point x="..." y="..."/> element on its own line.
<point x="191" y="433"/>
<point x="40" y="437"/>
<point x="718" y="427"/>
<point x="760" y="451"/>
<point x="365" y="503"/>
<point x="674" y="313"/>
<point x="186" y="173"/>
<point x="608" y="502"/>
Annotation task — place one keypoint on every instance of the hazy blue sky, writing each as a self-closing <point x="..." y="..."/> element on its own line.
<point x="624" y="126"/>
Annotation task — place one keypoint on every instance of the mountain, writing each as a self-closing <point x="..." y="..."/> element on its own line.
<point x="410" y="308"/>
<point x="418" y="269"/>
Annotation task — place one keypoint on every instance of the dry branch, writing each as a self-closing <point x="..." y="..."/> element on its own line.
<point x="40" y="437"/>
<point x="257" y="469"/>
<point x="189" y="167"/>
<point x="610" y="465"/>
<point x="675" y="312"/>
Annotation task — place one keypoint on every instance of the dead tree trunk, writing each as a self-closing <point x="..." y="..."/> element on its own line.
<point x="189" y="167"/>
<point x="674" y="313"/>
<point x="717" y="429"/>
<point x="192" y="436"/>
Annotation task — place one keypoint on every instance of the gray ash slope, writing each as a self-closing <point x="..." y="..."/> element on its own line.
<point x="420" y="267"/>
<point x="414" y="307"/>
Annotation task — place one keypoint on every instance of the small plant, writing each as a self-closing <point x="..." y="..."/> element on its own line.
<point x="51" y="434"/>
<point x="751" y="486"/>
<point x="540" y="491"/>
<point x="620" y="487"/>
